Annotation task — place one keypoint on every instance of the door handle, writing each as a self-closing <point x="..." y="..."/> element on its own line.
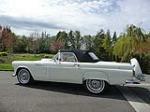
<point x="76" y="65"/>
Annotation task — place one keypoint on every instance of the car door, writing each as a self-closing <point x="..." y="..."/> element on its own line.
<point x="39" y="68"/>
<point x="67" y="69"/>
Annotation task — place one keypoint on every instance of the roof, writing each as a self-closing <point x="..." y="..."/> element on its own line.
<point x="82" y="55"/>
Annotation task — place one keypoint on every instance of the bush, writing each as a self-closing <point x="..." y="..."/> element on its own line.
<point x="144" y="61"/>
<point x="2" y="60"/>
<point x="3" y="54"/>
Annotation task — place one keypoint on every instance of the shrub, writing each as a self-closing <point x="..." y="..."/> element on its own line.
<point x="3" y="54"/>
<point x="47" y="56"/>
<point x="144" y="61"/>
<point x="2" y="60"/>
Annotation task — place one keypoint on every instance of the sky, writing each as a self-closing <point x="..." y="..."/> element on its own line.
<point x="87" y="16"/>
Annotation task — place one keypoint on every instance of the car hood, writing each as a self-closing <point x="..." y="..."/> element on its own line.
<point x="31" y="62"/>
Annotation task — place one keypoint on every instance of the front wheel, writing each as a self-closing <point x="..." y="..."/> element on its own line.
<point x="95" y="86"/>
<point x="24" y="76"/>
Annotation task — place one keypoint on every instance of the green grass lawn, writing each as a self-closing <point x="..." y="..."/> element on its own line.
<point x="6" y="67"/>
<point x="5" y="61"/>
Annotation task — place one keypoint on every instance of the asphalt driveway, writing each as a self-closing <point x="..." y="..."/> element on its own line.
<point x="57" y="97"/>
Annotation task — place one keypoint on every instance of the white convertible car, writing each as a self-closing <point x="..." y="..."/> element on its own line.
<point x="81" y="67"/>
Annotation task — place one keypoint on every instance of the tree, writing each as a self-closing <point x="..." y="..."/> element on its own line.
<point x="97" y="44"/>
<point x="114" y="38"/>
<point x="56" y="45"/>
<point x="71" y="40"/>
<point x="130" y="43"/>
<point x="122" y="48"/>
<point x="1" y="44"/>
<point x="106" y="44"/>
<point x="78" y="39"/>
<point x="33" y="43"/>
<point x="63" y="37"/>
<point x="20" y="44"/>
<point x="75" y="40"/>
<point x="137" y="38"/>
<point x="6" y="39"/>
<point x="88" y="42"/>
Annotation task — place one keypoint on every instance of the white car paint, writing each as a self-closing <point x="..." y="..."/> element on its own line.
<point x="137" y="69"/>
<point x="77" y="72"/>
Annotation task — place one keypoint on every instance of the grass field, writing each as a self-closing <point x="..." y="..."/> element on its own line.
<point x="5" y="61"/>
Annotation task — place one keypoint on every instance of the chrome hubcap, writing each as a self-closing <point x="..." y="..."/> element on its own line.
<point x="95" y="86"/>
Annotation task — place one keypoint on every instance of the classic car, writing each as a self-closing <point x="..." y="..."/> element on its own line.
<point x="78" y="66"/>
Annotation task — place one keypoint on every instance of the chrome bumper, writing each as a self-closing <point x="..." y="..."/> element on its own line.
<point x="136" y="80"/>
<point x="14" y="75"/>
<point x="140" y="77"/>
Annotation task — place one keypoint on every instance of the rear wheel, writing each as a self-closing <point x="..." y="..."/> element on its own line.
<point x="24" y="76"/>
<point x="95" y="86"/>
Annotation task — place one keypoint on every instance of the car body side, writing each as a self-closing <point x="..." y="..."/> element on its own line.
<point x="76" y="72"/>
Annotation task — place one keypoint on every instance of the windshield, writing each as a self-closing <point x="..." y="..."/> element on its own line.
<point x="55" y="57"/>
<point x="93" y="56"/>
<point x="65" y="57"/>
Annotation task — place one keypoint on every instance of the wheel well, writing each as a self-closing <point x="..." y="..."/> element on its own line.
<point x="84" y="81"/>
<point x="22" y="68"/>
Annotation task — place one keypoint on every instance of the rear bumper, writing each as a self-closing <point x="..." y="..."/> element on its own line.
<point x="140" y="77"/>
<point x="136" y="80"/>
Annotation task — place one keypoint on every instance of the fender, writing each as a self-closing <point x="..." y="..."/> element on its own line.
<point x="96" y="75"/>
<point x="137" y="69"/>
<point x="16" y="69"/>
